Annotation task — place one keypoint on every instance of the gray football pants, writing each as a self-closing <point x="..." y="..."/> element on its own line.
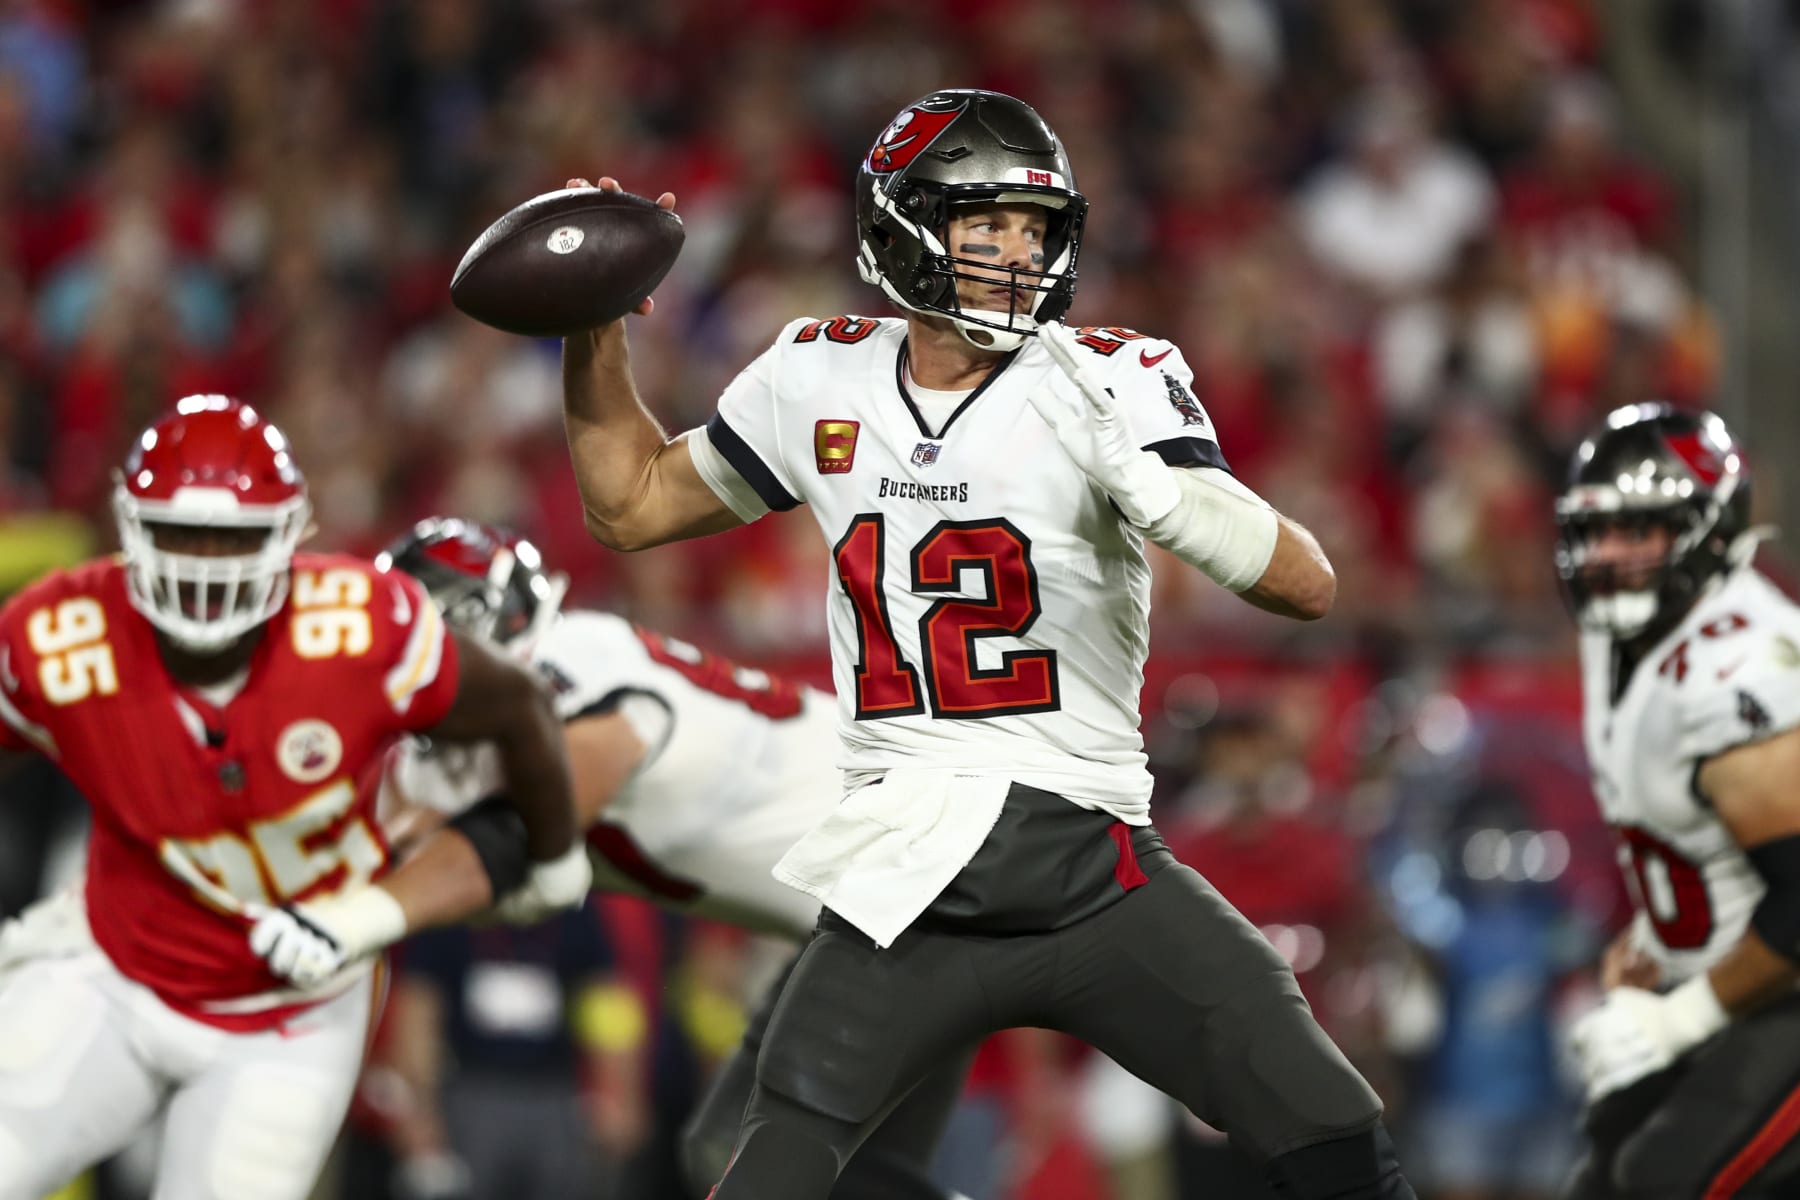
<point x="892" y="1164"/>
<point x="1723" y="1121"/>
<point x="1170" y="981"/>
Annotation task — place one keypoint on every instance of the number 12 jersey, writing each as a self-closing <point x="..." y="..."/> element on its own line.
<point x="988" y="606"/>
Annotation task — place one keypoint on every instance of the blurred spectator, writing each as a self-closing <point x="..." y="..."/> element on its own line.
<point x="1470" y="340"/>
<point x="1391" y="217"/>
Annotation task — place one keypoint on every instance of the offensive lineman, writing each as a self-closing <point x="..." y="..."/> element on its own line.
<point x="985" y="478"/>
<point x="217" y="696"/>
<point x="692" y="776"/>
<point x="1691" y="695"/>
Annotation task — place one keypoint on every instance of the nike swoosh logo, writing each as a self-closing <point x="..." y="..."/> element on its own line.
<point x="1732" y="669"/>
<point x="1150" y="360"/>
<point x="402" y="607"/>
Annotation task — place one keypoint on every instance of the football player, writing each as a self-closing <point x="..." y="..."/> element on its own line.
<point x="985" y="478"/>
<point x="1691" y="695"/>
<point x="692" y="777"/>
<point x="218" y="697"/>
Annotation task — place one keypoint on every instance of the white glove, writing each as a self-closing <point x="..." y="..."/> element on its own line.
<point x="307" y="944"/>
<point x="552" y="886"/>
<point x="1635" y="1033"/>
<point x="1095" y="436"/>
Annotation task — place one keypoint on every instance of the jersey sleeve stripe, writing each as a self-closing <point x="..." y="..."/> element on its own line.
<point x="1190" y="452"/>
<point x="418" y="666"/>
<point x="723" y="478"/>
<point x="34" y="733"/>
<point x="747" y="463"/>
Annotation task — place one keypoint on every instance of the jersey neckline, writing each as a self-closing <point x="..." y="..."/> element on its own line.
<point x="919" y="417"/>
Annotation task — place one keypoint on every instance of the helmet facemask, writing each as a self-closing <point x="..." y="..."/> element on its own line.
<point x="205" y="602"/>
<point x="1626" y="597"/>
<point x="916" y="218"/>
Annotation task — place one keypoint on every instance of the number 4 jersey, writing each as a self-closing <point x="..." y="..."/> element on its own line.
<point x="1727" y="675"/>
<point x="988" y="606"/>
<point x="200" y="808"/>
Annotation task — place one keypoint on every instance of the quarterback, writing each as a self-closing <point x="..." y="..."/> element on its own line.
<point x="985" y="478"/>
<point x="219" y="698"/>
<point x="1691" y="694"/>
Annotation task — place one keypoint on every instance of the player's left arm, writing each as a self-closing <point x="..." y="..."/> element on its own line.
<point x="1133" y="424"/>
<point x="1296" y="580"/>
<point x="1751" y="787"/>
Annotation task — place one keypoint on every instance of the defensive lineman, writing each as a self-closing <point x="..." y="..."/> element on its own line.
<point x="985" y="478"/>
<point x="1691" y="690"/>
<point x="217" y="696"/>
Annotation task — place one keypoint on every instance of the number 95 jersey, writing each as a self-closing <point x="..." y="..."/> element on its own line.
<point x="1728" y="674"/>
<point x="200" y="809"/>
<point x="988" y="606"/>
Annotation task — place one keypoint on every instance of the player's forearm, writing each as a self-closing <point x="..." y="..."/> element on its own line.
<point x="443" y="884"/>
<point x="613" y="439"/>
<point x="1209" y="520"/>
<point x="1298" y="581"/>
<point x="1752" y="975"/>
<point x="538" y="779"/>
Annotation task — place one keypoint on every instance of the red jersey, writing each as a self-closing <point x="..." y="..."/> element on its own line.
<point x="200" y="809"/>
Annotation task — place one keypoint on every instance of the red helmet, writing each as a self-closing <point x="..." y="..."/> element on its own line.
<point x="212" y="463"/>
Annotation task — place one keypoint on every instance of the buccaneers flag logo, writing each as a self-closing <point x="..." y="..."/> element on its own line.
<point x="907" y="136"/>
<point x="1706" y="463"/>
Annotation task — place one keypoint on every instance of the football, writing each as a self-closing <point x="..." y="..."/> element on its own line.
<point x="567" y="261"/>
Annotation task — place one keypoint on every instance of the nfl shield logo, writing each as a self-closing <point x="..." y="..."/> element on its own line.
<point x="925" y="453"/>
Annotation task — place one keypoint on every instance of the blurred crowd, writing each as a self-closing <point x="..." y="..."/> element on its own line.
<point x="1403" y="243"/>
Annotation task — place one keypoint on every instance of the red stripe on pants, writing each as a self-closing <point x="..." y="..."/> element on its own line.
<point x="1127" y="871"/>
<point x="1767" y="1143"/>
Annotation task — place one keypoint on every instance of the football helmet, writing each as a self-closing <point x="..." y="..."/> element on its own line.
<point x="1652" y="464"/>
<point x="955" y="147"/>
<point x="488" y="583"/>
<point x="213" y="463"/>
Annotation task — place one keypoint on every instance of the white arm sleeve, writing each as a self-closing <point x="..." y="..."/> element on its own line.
<point x="1219" y="526"/>
<point x="730" y="487"/>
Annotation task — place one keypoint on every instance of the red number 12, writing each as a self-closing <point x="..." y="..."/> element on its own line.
<point x="888" y="686"/>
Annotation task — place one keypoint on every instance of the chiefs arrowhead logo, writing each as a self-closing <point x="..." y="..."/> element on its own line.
<point x="907" y="136"/>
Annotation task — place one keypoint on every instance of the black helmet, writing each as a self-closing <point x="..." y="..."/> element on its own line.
<point x="488" y="583"/>
<point x="1651" y="464"/>
<point x="954" y="147"/>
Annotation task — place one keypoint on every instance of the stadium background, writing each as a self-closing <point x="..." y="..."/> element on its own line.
<point x="1411" y="248"/>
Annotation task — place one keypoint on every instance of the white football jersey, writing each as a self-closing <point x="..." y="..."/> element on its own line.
<point x="1727" y="675"/>
<point x="737" y="766"/>
<point x="988" y="606"/>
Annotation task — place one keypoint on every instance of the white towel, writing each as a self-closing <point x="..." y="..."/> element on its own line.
<point x="885" y="853"/>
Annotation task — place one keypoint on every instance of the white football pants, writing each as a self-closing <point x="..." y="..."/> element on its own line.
<point x="88" y="1059"/>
